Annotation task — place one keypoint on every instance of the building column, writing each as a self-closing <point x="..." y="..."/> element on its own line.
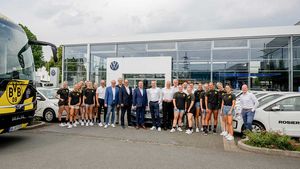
<point x="88" y="66"/>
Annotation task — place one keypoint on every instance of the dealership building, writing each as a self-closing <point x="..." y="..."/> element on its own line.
<point x="263" y="57"/>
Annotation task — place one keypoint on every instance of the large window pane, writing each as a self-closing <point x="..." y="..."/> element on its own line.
<point x="194" y="55"/>
<point x="296" y="80"/>
<point x="103" y="48"/>
<point x="76" y="52"/>
<point x="194" y="45"/>
<point x="269" y="42"/>
<point x="161" y="45"/>
<point x="230" y="54"/>
<point x="132" y="47"/>
<point x="74" y="77"/>
<point x="230" y="43"/>
<point x="274" y="81"/>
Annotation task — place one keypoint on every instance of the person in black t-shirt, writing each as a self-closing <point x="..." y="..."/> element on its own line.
<point x="95" y="109"/>
<point x="202" y="105"/>
<point x="89" y="101"/>
<point x="62" y="94"/>
<point x="221" y="93"/>
<point x="82" y="105"/>
<point x="179" y="108"/>
<point x="211" y="103"/>
<point x="228" y="104"/>
<point x="74" y="102"/>
<point x="190" y="109"/>
<point x="197" y="95"/>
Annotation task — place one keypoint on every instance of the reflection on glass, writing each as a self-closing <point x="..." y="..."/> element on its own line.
<point x="230" y="43"/>
<point x="194" y="45"/>
<point x="269" y="42"/>
<point x="132" y="47"/>
<point x="103" y="48"/>
<point x="230" y="54"/>
<point x="161" y="45"/>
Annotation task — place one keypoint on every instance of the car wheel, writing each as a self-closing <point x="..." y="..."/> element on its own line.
<point x="49" y="115"/>
<point x="257" y="127"/>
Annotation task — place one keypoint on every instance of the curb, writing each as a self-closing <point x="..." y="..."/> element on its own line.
<point x="267" y="150"/>
<point x="41" y="124"/>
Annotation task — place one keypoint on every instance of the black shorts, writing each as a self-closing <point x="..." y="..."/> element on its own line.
<point x="212" y="107"/>
<point x="63" y="103"/>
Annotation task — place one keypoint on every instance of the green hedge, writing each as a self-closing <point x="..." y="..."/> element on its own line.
<point x="270" y="140"/>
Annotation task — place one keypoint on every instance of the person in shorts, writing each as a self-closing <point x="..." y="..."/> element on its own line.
<point x="197" y="116"/>
<point x="89" y="101"/>
<point x="62" y="95"/>
<point x="228" y="104"/>
<point x="221" y="93"/>
<point x="179" y="108"/>
<point x="211" y="103"/>
<point x="190" y="109"/>
<point x="74" y="103"/>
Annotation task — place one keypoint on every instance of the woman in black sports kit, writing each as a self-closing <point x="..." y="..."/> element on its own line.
<point x="74" y="103"/>
<point x="211" y="103"/>
<point x="89" y="101"/>
<point x="62" y="95"/>
<point x="190" y="109"/>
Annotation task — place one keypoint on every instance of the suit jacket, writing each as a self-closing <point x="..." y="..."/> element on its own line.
<point x="109" y="96"/>
<point x="140" y="100"/>
<point x="124" y="97"/>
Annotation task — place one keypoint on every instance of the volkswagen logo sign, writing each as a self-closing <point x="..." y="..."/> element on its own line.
<point x="53" y="73"/>
<point x="114" y="65"/>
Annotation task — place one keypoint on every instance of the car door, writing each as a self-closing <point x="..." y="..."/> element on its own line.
<point x="40" y="105"/>
<point x="284" y="116"/>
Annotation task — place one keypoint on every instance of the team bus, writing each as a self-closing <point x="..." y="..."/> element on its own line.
<point x="17" y="76"/>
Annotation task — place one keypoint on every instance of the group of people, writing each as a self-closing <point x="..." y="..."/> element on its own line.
<point x="181" y="104"/>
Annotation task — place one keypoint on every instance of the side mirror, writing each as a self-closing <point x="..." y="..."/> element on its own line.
<point x="276" y="108"/>
<point x="53" y="47"/>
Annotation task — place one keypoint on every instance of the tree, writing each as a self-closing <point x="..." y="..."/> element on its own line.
<point x="37" y="50"/>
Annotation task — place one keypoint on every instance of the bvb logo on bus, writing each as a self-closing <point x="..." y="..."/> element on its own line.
<point x="14" y="92"/>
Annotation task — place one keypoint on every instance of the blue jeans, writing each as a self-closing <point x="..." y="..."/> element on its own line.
<point x="110" y="109"/>
<point x="248" y="117"/>
<point x="140" y="115"/>
<point x="154" y="109"/>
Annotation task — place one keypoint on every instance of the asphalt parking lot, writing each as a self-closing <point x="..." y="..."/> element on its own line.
<point x="93" y="147"/>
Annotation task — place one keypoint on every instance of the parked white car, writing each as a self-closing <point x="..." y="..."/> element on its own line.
<point x="278" y="112"/>
<point x="47" y="104"/>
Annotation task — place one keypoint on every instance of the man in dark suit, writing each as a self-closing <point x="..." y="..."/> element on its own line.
<point x="125" y="100"/>
<point x="140" y="102"/>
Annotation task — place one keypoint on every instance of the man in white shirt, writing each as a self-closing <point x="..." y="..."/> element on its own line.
<point x="175" y="85"/>
<point x="100" y="94"/>
<point x="168" y="110"/>
<point x="154" y="97"/>
<point x="248" y="103"/>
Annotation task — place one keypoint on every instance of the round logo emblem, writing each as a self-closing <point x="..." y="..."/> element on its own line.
<point x="114" y="65"/>
<point x="14" y="92"/>
<point x="53" y="72"/>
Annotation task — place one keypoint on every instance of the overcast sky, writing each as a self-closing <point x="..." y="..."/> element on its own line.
<point x="66" y="21"/>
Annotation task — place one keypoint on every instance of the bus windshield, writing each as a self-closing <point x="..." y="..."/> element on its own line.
<point x="15" y="54"/>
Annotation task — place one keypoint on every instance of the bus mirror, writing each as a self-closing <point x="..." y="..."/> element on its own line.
<point x="53" y="47"/>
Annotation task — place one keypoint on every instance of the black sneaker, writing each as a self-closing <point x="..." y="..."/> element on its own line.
<point x="215" y="131"/>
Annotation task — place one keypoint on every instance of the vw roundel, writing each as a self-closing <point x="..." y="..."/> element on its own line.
<point x="53" y="72"/>
<point x="114" y="65"/>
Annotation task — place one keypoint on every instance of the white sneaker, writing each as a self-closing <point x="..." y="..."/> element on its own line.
<point x="223" y="133"/>
<point x="105" y="126"/>
<point x="153" y="128"/>
<point x="108" y="124"/>
<point x="74" y="125"/>
<point x="179" y="129"/>
<point x="91" y="124"/>
<point x="189" y="132"/>
<point x="62" y="124"/>
<point x="113" y="126"/>
<point x="226" y="134"/>
<point x="76" y="122"/>
<point x="69" y="126"/>
<point x="100" y="124"/>
<point x="230" y="137"/>
<point x="87" y="124"/>
<point x="159" y="129"/>
<point x="197" y="130"/>
<point x="201" y="129"/>
<point x="82" y="123"/>
<point x="172" y="130"/>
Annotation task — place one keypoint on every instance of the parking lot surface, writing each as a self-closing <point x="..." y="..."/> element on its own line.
<point x="93" y="147"/>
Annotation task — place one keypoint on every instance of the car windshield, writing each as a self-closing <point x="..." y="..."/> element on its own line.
<point x="50" y="94"/>
<point x="260" y="95"/>
<point x="15" y="53"/>
<point x="268" y="98"/>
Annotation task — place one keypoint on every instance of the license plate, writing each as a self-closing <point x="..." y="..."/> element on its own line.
<point x="14" y="128"/>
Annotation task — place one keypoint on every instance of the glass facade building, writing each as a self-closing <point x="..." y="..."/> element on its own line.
<point x="264" y="58"/>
